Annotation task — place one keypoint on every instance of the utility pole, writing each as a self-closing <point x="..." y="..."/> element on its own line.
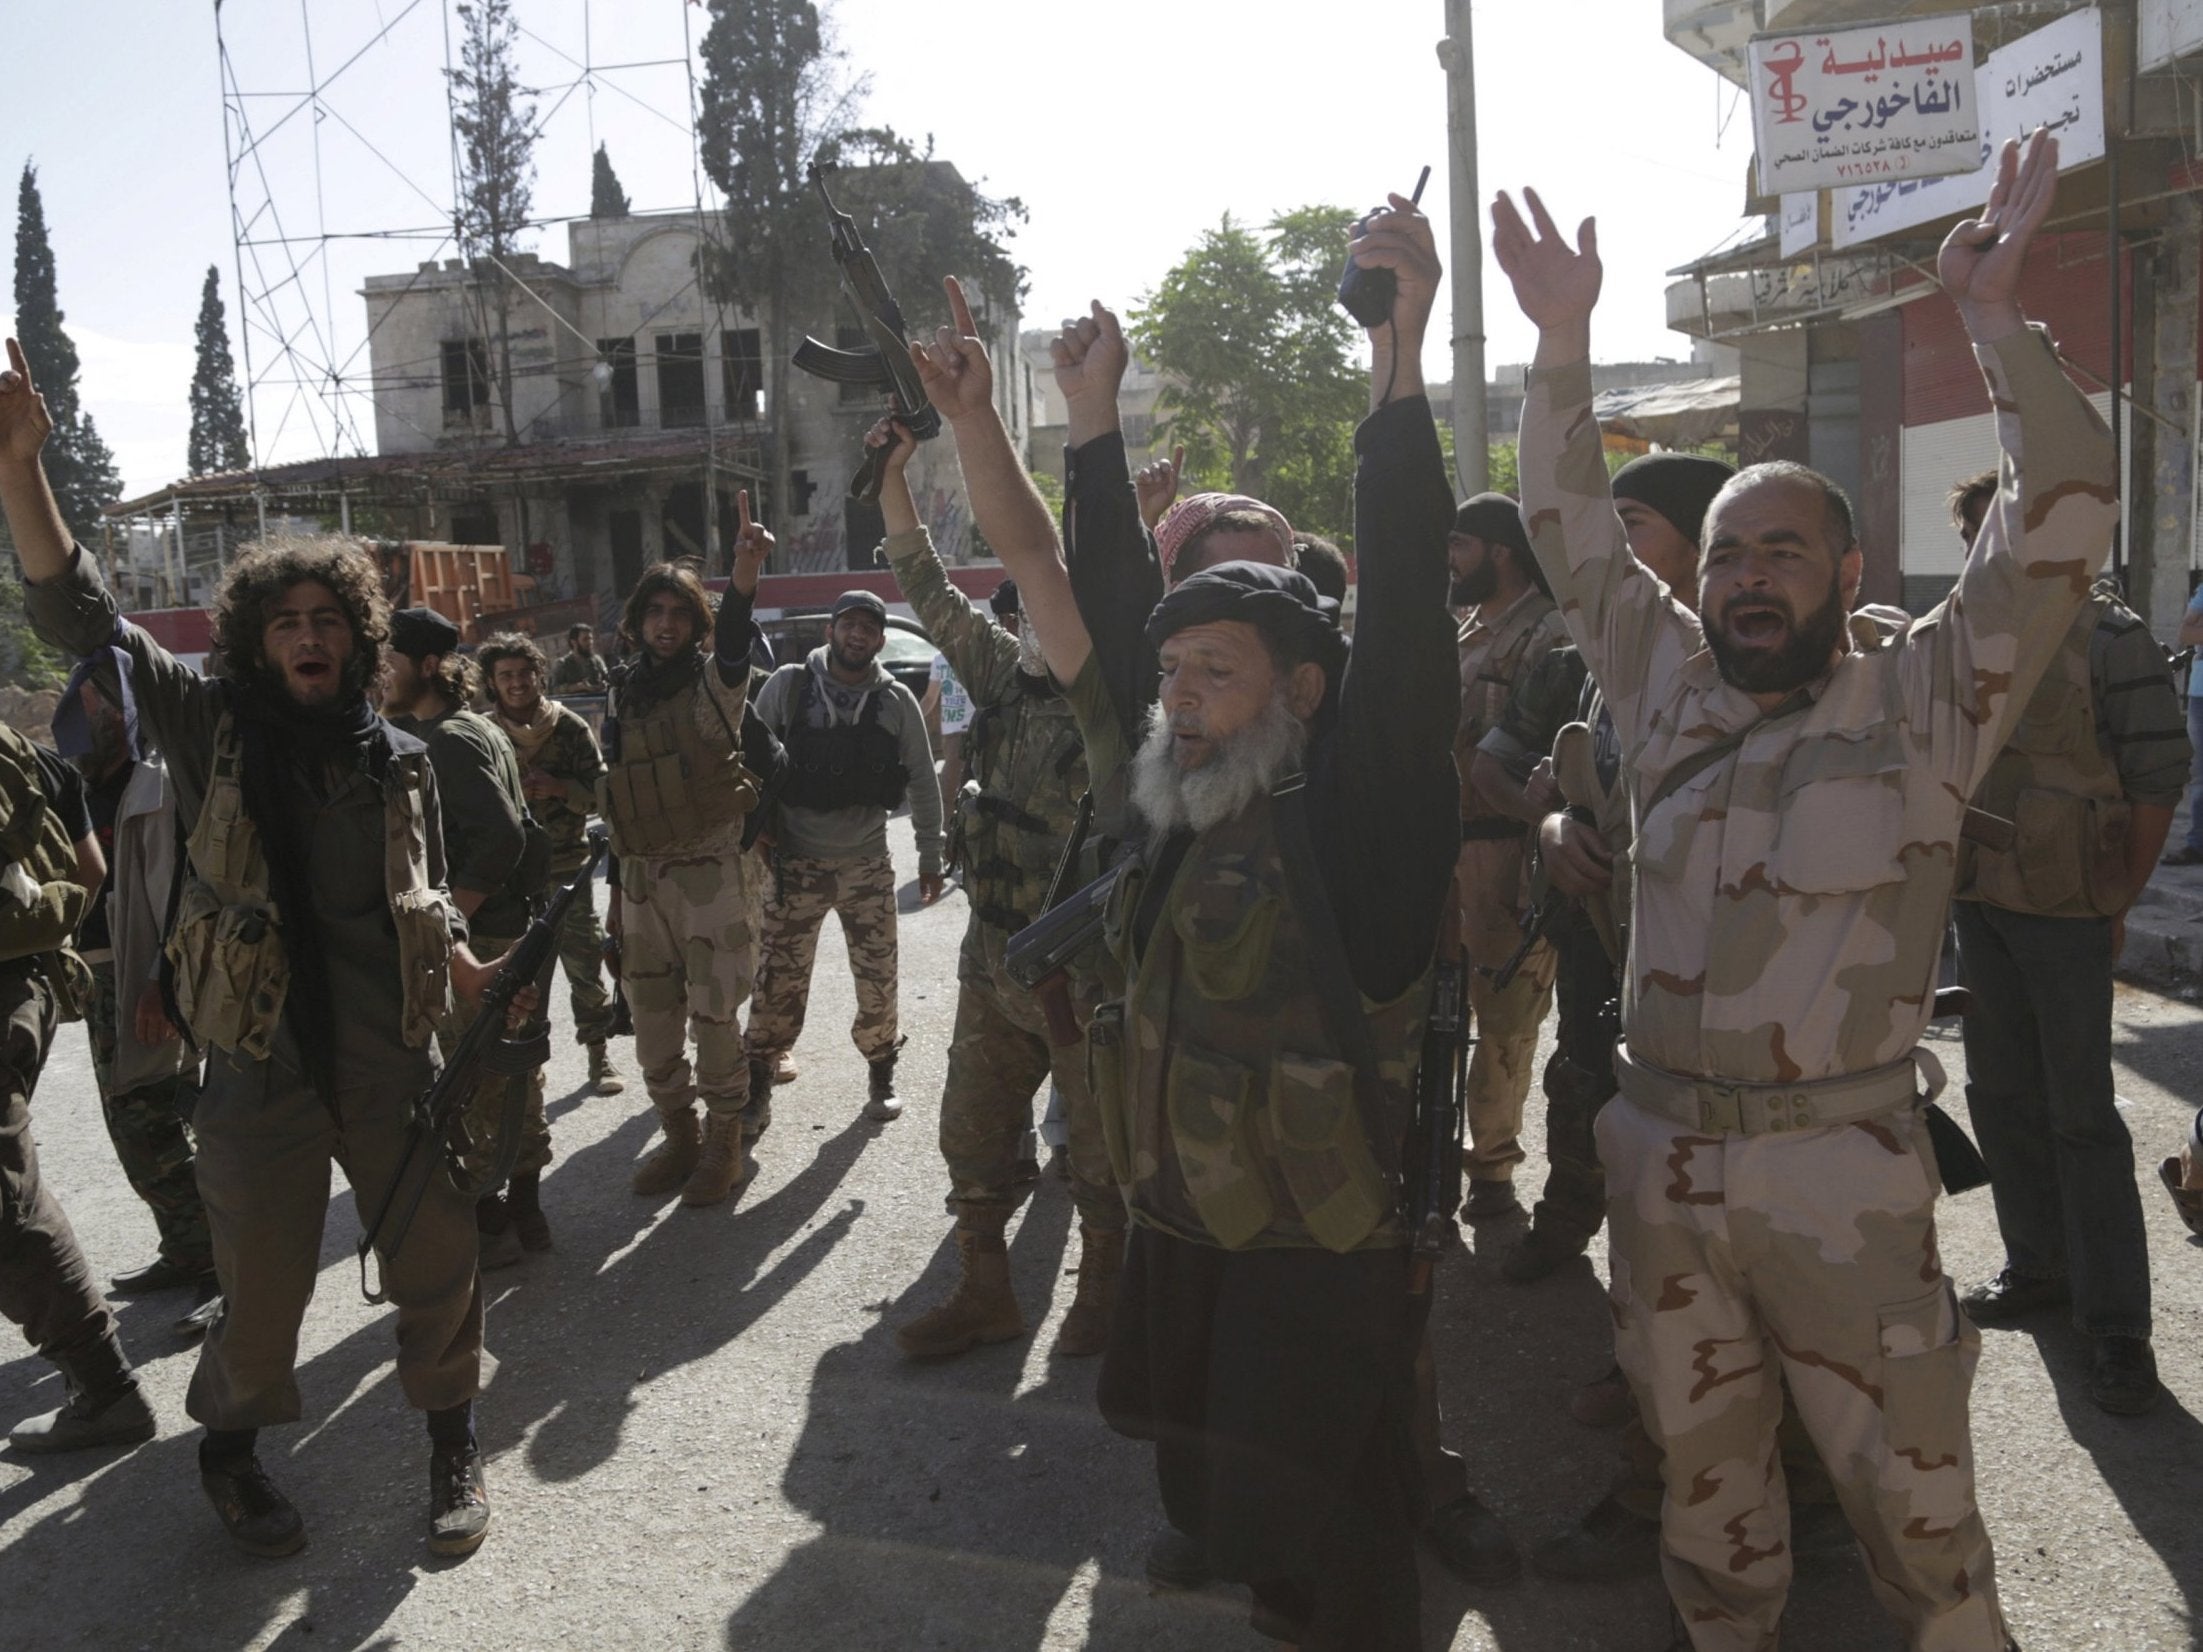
<point x="1472" y="458"/>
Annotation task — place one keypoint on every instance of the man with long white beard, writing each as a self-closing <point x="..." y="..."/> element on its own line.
<point x="1271" y="954"/>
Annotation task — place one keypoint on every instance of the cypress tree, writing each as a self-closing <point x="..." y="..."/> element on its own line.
<point x="606" y="198"/>
<point x="78" y="463"/>
<point x="217" y="410"/>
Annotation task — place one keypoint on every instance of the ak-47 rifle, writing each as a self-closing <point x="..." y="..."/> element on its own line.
<point x="1441" y="1104"/>
<point x="1039" y="956"/>
<point x="885" y="363"/>
<point x="483" y="1047"/>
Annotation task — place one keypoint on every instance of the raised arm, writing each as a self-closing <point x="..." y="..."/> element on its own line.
<point x="1005" y="505"/>
<point x="2049" y="527"/>
<point x="980" y="652"/>
<point x="1632" y="635"/>
<point x="42" y="539"/>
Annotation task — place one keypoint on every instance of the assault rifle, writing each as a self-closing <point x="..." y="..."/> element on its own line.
<point x="1441" y="1104"/>
<point x="885" y="363"/>
<point x="1039" y="955"/>
<point x="440" y="1110"/>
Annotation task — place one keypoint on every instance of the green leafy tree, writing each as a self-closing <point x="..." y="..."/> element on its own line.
<point x="495" y="123"/>
<point x="217" y="410"/>
<point x="78" y="463"/>
<point x="606" y="198"/>
<point x="1260" y="382"/>
<point x="777" y="95"/>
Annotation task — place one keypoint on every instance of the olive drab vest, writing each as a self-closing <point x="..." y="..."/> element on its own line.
<point x="2061" y="793"/>
<point x="1030" y="770"/>
<point x="227" y="943"/>
<point x="41" y="901"/>
<point x="1230" y="1114"/>
<point x="669" y="783"/>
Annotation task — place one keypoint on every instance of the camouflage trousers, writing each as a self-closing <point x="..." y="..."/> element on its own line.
<point x="152" y="1138"/>
<point x="688" y="957"/>
<point x="862" y="893"/>
<point x="1507" y="1026"/>
<point x="998" y="1057"/>
<point x="581" y="956"/>
<point x="1808" y="1255"/>
<point x="492" y="1093"/>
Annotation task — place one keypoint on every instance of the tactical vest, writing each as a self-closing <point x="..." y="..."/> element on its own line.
<point x="667" y="785"/>
<point x="843" y="765"/>
<point x="226" y="944"/>
<point x="41" y="901"/>
<point x="1030" y="767"/>
<point x="2062" y="795"/>
<point x="1229" y="1113"/>
<point x="1483" y="701"/>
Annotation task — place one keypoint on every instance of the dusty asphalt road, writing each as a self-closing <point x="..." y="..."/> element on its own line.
<point x="700" y="1434"/>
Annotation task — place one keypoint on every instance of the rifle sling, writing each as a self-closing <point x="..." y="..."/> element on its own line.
<point x="1699" y="761"/>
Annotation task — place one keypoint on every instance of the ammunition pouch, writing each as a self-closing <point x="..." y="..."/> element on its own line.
<point x="2067" y="856"/>
<point x="231" y="973"/>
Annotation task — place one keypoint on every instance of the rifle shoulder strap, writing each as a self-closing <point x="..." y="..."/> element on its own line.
<point x="1340" y="998"/>
<point x="1699" y="761"/>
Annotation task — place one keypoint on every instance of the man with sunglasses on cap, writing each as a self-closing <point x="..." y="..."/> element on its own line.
<point x="857" y="748"/>
<point x="1271" y="949"/>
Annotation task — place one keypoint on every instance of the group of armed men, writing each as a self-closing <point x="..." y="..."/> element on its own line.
<point x="1739" y="804"/>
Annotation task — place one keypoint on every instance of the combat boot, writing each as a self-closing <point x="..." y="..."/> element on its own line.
<point x="719" y="1165"/>
<point x="604" y="1078"/>
<point x="259" y="1518"/>
<point x="882" y="1103"/>
<point x="458" y="1498"/>
<point x="982" y="1308"/>
<point x="493" y="1228"/>
<point x="1085" y="1329"/>
<point x="757" y="1112"/>
<point x="524" y="1203"/>
<point x="105" y="1408"/>
<point x="668" y="1167"/>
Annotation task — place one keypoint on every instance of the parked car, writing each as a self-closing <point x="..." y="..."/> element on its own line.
<point x="906" y="655"/>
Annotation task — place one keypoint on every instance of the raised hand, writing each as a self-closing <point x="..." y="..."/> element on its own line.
<point x="1091" y="356"/>
<point x="752" y="545"/>
<point x="959" y="379"/>
<point x="1981" y="259"/>
<point x="1156" y="485"/>
<point x="1556" y="285"/>
<point x="1399" y="238"/>
<point x="24" y="422"/>
<point x="893" y="435"/>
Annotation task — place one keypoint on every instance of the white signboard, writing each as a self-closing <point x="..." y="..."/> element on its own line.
<point x="1890" y="101"/>
<point x="2170" y="29"/>
<point x="1801" y="222"/>
<point x="2053" y="77"/>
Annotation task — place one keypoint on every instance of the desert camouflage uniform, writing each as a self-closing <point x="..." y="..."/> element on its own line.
<point x="571" y="755"/>
<point x="1787" y="916"/>
<point x="688" y="935"/>
<point x="1496" y="650"/>
<point x="150" y="1130"/>
<point x="1031" y="767"/>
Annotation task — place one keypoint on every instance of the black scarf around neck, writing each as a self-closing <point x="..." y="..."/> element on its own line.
<point x="278" y="737"/>
<point x="646" y="680"/>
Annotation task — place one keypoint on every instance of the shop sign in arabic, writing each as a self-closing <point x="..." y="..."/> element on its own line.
<point x="1801" y="222"/>
<point x="1887" y="101"/>
<point x="2053" y="77"/>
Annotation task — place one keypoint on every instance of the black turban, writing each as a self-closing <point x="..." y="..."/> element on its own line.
<point x="1497" y="520"/>
<point x="419" y="632"/>
<point x="1678" y="485"/>
<point x="1300" y="623"/>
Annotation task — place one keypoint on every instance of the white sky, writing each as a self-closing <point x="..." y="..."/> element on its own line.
<point x="1126" y="129"/>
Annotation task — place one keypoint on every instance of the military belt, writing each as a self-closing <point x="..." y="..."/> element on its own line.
<point x="1765" y="1109"/>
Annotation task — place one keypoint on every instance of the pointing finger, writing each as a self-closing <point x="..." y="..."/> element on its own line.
<point x="959" y="309"/>
<point x="742" y="509"/>
<point x="1178" y="459"/>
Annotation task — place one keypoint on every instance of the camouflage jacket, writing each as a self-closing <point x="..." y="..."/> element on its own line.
<point x="1024" y="752"/>
<point x="580" y="674"/>
<point x="1496" y="651"/>
<point x="570" y="756"/>
<point x="1789" y="899"/>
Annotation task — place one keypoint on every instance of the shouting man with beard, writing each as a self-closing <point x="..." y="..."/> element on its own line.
<point x="1270" y="970"/>
<point x="1799" y="790"/>
<point x="315" y="950"/>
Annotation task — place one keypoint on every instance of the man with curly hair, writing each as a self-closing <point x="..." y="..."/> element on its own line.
<point x="680" y="793"/>
<point x="317" y="880"/>
<point x="560" y="765"/>
<point x="498" y="857"/>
